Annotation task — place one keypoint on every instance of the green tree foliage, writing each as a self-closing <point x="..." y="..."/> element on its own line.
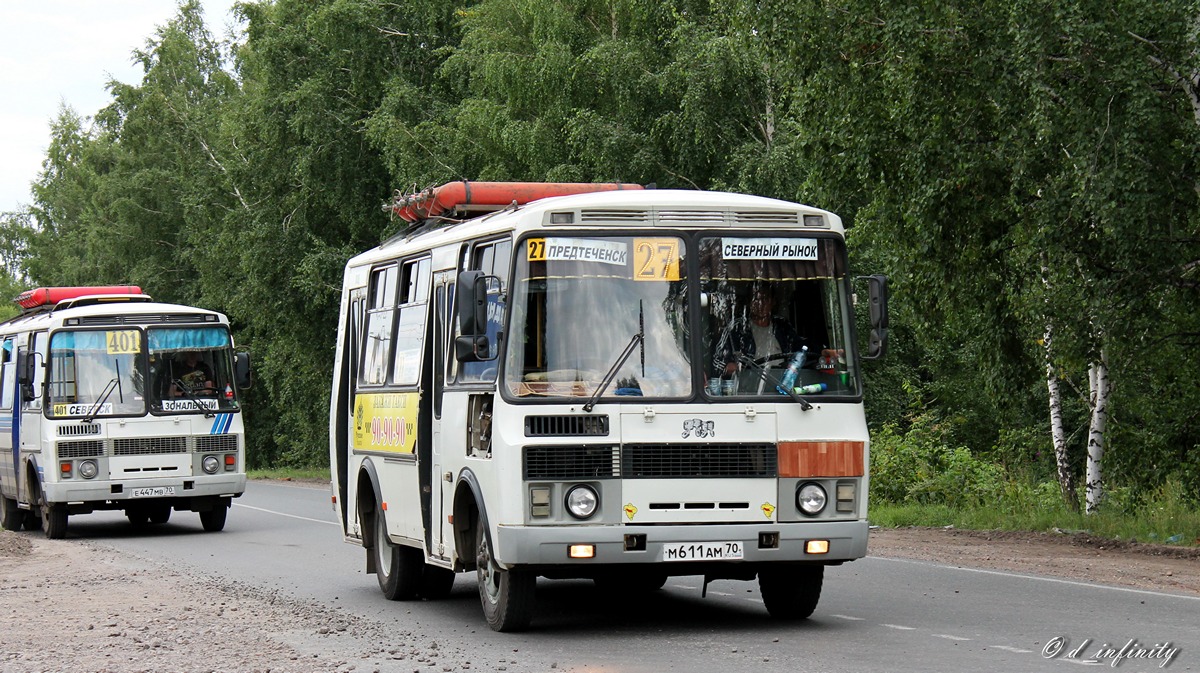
<point x="1011" y="166"/>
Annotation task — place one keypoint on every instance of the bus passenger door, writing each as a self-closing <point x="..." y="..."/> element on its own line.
<point x="443" y="490"/>
<point x="345" y="419"/>
<point x="9" y="447"/>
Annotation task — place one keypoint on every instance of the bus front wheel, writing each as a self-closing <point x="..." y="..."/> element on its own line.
<point x="54" y="520"/>
<point x="507" y="595"/>
<point x="791" y="592"/>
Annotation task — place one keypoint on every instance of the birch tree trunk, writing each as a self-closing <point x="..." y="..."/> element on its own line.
<point x="1099" y="389"/>
<point x="1066" y="480"/>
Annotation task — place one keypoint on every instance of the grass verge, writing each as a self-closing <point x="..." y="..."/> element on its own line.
<point x="1161" y="517"/>
<point x="293" y="473"/>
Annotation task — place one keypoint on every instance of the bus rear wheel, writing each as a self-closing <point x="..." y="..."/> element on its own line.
<point x="436" y="582"/>
<point x="160" y="513"/>
<point x="214" y="519"/>
<point x="791" y="592"/>
<point x="11" y="517"/>
<point x="507" y="595"/>
<point x="397" y="567"/>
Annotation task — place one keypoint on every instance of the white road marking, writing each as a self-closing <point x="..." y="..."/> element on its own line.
<point x="901" y="628"/>
<point x="1083" y="662"/>
<point x="949" y="637"/>
<point x="1144" y="592"/>
<point x="1006" y="648"/>
<point x="853" y="619"/>
<point x="292" y="516"/>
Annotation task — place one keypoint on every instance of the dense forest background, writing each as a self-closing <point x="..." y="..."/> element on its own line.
<point x="1025" y="172"/>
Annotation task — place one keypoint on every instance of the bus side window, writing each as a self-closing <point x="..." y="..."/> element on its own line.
<point x="8" y="375"/>
<point x="410" y="330"/>
<point x="377" y="344"/>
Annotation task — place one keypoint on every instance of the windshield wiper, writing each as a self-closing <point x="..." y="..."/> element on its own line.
<point x="638" y="339"/>
<point x="104" y="394"/>
<point x="745" y="360"/>
<point x="195" y="400"/>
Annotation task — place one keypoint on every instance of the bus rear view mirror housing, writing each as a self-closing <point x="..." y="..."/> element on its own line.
<point x="26" y="372"/>
<point x="241" y="370"/>
<point x="471" y="302"/>
<point x="878" y="305"/>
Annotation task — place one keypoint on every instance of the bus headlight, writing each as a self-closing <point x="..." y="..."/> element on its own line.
<point x="582" y="501"/>
<point x="810" y="499"/>
<point x="88" y="469"/>
<point x="211" y="464"/>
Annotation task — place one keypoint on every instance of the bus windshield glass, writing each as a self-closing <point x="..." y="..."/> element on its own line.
<point x="768" y="302"/>
<point x="96" y="373"/>
<point x="579" y="302"/>
<point x="192" y="369"/>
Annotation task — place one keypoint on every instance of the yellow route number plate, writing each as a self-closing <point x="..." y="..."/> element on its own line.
<point x="121" y="342"/>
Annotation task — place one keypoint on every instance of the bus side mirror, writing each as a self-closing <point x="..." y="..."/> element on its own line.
<point x="26" y="373"/>
<point x="241" y="370"/>
<point x="471" y="303"/>
<point x="878" y="293"/>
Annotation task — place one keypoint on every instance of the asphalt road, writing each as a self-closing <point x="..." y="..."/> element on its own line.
<point x="876" y="614"/>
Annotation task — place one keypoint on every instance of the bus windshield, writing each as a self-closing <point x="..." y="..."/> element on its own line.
<point x="121" y="372"/>
<point x="97" y="373"/>
<point x="193" y="369"/>
<point x="578" y="302"/>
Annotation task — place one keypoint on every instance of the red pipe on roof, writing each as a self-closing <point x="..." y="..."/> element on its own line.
<point x="49" y="296"/>
<point x="438" y="200"/>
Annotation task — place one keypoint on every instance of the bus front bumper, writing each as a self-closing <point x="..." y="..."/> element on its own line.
<point x="124" y="491"/>
<point x="618" y="544"/>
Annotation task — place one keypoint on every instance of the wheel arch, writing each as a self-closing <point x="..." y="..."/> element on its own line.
<point x="367" y="499"/>
<point x="469" y="513"/>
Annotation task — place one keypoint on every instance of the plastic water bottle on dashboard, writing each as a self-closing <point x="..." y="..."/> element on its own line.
<point x="793" y="371"/>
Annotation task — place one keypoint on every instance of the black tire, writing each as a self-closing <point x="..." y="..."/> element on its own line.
<point x="33" y="519"/>
<point x="11" y="518"/>
<point x="138" y="517"/>
<point x="791" y="592"/>
<point x="214" y="519"/>
<point x="436" y="582"/>
<point x="54" y="521"/>
<point x="507" y="595"/>
<point x="397" y="567"/>
<point x="160" y="514"/>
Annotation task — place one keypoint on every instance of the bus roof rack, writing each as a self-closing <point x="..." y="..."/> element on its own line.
<point x="49" y="298"/>
<point x="465" y="196"/>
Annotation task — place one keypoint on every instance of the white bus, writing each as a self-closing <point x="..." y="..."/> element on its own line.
<point x="109" y="400"/>
<point x="582" y="384"/>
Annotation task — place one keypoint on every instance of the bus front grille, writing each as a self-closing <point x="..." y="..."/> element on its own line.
<point x="566" y="426"/>
<point x="85" y="448"/>
<point x="571" y="462"/>
<point x="145" y="446"/>
<point x="216" y="443"/>
<point x="702" y="461"/>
